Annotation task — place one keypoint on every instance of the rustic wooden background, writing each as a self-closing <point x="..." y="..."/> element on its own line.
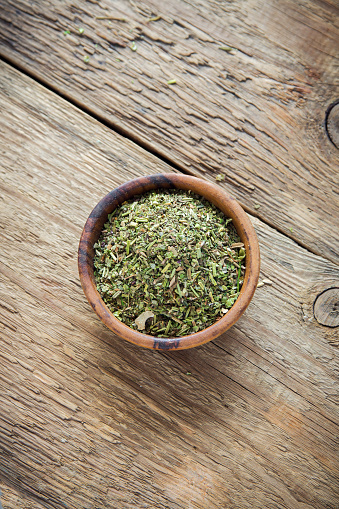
<point x="249" y="420"/>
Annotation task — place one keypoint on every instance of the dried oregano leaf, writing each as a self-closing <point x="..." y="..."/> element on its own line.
<point x="142" y="319"/>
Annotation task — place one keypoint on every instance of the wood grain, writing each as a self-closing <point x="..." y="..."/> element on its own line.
<point x="88" y="420"/>
<point x="12" y="499"/>
<point x="254" y="113"/>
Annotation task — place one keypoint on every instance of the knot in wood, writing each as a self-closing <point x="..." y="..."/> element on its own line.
<point x="332" y="123"/>
<point x="326" y="307"/>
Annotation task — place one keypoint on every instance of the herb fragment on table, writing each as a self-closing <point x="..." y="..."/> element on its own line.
<point x="156" y="18"/>
<point x="257" y="206"/>
<point x="220" y="177"/>
<point x="115" y="18"/>
<point x="228" y="49"/>
<point x="86" y="59"/>
<point x="133" y="46"/>
<point x="81" y="31"/>
<point x="169" y="263"/>
<point x="171" y="82"/>
<point x="67" y="32"/>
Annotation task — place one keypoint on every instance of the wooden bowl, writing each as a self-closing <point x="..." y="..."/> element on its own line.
<point x="215" y="195"/>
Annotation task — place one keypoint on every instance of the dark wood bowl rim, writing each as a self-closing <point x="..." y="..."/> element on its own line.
<point x="215" y="195"/>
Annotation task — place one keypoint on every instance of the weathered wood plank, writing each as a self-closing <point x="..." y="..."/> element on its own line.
<point x="255" y="113"/>
<point x="88" y="420"/>
<point x="12" y="499"/>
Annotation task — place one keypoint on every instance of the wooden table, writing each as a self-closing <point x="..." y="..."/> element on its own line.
<point x="249" y="420"/>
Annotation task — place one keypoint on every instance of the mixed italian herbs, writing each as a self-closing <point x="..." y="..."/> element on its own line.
<point x="169" y="263"/>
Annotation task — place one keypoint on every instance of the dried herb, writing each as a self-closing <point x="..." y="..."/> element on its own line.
<point x="86" y="59"/>
<point x="228" y="49"/>
<point x="81" y="31"/>
<point x="133" y="46"/>
<point x="171" y="82"/>
<point x="220" y="177"/>
<point x="169" y="263"/>
<point x="267" y="282"/>
<point x="156" y="18"/>
<point x="115" y="18"/>
<point x="142" y="319"/>
<point x="67" y="32"/>
<point x="264" y="282"/>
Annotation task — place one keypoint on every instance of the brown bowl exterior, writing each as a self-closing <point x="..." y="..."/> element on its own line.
<point x="212" y="193"/>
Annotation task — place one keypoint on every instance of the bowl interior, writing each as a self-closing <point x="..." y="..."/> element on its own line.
<point x="212" y="193"/>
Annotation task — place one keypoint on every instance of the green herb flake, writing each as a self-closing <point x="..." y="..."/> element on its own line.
<point x="169" y="263"/>
<point x="214" y="269"/>
<point x="133" y="46"/>
<point x="156" y="18"/>
<point x="171" y="82"/>
<point x="81" y="31"/>
<point x="86" y="59"/>
<point x="67" y="32"/>
<point x="220" y="177"/>
<point x="228" y="49"/>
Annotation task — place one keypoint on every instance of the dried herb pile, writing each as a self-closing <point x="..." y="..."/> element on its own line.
<point x="169" y="263"/>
